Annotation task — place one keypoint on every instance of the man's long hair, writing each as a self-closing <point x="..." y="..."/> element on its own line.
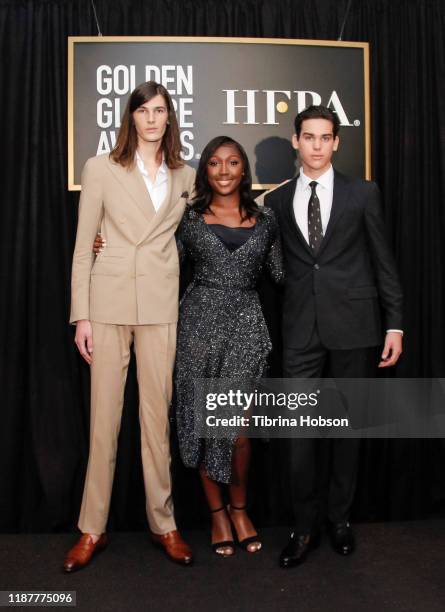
<point x="201" y="203"/>
<point x="127" y="141"/>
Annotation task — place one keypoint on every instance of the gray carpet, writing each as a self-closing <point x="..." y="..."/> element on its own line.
<point x="397" y="566"/>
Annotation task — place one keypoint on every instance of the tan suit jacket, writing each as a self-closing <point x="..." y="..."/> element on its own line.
<point x="135" y="280"/>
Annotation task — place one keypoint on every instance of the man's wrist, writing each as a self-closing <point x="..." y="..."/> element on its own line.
<point x="398" y="331"/>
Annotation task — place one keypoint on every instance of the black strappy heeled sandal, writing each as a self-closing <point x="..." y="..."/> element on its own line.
<point x="224" y="543"/>
<point x="244" y="543"/>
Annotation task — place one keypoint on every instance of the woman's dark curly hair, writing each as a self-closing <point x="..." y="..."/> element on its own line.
<point x="248" y="208"/>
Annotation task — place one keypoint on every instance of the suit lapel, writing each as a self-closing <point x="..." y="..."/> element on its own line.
<point x="133" y="183"/>
<point x="290" y="214"/>
<point x="339" y="200"/>
<point x="174" y="190"/>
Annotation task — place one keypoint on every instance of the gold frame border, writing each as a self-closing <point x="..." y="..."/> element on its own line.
<point x="72" y="40"/>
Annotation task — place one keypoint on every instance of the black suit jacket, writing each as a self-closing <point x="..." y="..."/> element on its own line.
<point x="353" y="277"/>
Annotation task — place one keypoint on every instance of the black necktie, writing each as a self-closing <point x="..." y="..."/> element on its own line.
<point x="314" y="219"/>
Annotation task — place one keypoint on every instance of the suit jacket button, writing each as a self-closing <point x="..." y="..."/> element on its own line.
<point x="316" y="267"/>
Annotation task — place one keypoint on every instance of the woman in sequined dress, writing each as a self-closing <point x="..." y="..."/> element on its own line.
<point x="221" y="328"/>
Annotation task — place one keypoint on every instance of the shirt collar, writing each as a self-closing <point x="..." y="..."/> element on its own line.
<point x="162" y="168"/>
<point x="326" y="180"/>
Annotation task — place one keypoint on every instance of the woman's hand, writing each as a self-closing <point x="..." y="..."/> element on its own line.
<point x="99" y="243"/>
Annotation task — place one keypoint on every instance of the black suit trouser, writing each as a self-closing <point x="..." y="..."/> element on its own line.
<point x="323" y="472"/>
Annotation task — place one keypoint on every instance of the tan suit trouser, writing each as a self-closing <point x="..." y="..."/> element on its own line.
<point x="155" y="352"/>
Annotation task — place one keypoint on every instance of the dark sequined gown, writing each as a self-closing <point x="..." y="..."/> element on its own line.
<point x="221" y="328"/>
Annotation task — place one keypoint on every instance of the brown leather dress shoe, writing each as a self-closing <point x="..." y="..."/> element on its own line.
<point x="174" y="547"/>
<point x="81" y="553"/>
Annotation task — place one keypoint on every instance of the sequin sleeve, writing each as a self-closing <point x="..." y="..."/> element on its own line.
<point x="180" y="239"/>
<point x="181" y="249"/>
<point x="274" y="259"/>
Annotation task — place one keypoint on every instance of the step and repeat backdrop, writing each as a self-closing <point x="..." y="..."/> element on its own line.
<point x="249" y="89"/>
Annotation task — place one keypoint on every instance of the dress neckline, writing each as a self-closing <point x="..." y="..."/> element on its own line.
<point x="218" y="239"/>
<point x="236" y="227"/>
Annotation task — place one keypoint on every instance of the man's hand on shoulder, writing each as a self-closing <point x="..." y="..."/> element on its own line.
<point x="392" y="349"/>
<point x="84" y="340"/>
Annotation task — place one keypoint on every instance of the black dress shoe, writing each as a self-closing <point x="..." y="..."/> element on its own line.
<point x="342" y="538"/>
<point x="298" y="548"/>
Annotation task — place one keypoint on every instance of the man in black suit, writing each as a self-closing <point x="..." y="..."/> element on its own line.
<point x="340" y="276"/>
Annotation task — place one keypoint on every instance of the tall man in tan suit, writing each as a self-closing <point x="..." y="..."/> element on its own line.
<point x="136" y="197"/>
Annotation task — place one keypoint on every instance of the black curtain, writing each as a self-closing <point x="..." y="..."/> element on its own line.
<point x="44" y="390"/>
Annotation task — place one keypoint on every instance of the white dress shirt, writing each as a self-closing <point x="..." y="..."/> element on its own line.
<point x="158" y="189"/>
<point x="325" y="191"/>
